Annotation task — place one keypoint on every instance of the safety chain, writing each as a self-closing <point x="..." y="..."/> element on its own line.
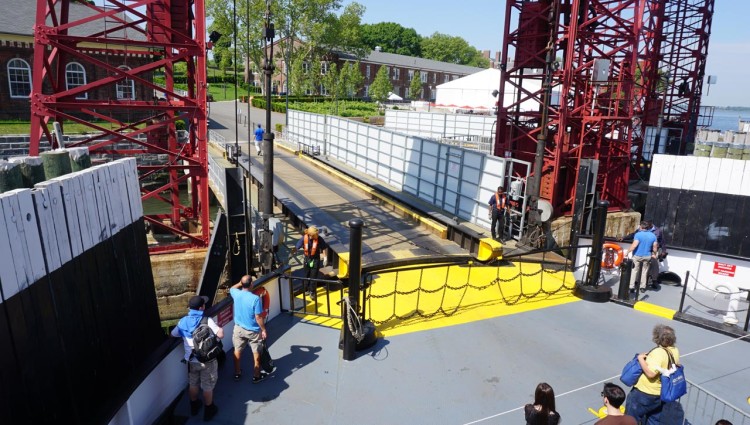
<point x="717" y="310"/>
<point x="714" y="290"/>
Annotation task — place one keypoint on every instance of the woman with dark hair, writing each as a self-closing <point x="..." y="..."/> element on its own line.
<point x="644" y="401"/>
<point x="542" y="412"/>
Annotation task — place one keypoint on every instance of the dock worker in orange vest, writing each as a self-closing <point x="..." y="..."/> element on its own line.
<point x="498" y="210"/>
<point x="315" y="249"/>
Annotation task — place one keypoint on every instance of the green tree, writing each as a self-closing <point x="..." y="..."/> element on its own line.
<point x="351" y="79"/>
<point x="381" y="86"/>
<point x="415" y="86"/>
<point x="446" y="48"/>
<point x="392" y="38"/>
<point x="226" y="63"/>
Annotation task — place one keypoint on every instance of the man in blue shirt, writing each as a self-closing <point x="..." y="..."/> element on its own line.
<point x="643" y="248"/>
<point x="249" y="326"/>
<point x="258" y="138"/>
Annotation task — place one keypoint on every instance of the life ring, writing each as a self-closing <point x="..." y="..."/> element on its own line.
<point x="612" y="255"/>
<point x="265" y="299"/>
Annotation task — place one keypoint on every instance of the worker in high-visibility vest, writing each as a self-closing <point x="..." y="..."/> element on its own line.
<point x="315" y="249"/>
<point x="498" y="208"/>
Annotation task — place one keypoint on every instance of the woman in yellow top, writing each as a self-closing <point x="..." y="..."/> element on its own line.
<point x="644" y="401"/>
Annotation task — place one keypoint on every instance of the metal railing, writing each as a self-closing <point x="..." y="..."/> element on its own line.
<point x="702" y="407"/>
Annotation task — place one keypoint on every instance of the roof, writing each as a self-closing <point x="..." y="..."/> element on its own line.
<point x="393" y="59"/>
<point x="487" y="78"/>
<point x="19" y="17"/>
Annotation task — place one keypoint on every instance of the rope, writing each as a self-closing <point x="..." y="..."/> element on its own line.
<point x="354" y="322"/>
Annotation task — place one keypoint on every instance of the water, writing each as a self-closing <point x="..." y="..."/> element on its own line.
<point x="727" y="119"/>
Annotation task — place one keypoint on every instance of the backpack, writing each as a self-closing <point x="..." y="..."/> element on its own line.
<point x="206" y="345"/>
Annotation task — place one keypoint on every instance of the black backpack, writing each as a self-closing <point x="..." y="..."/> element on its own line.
<point x="206" y="345"/>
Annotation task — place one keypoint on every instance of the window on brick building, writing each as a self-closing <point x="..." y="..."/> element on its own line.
<point x="19" y="78"/>
<point x="423" y="76"/>
<point x="411" y="74"/>
<point x="125" y="88"/>
<point x="323" y="68"/>
<point x="367" y="71"/>
<point x="75" y="76"/>
<point x="305" y="67"/>
<point x="396" y="73"/>
<point x="367" y="90"/>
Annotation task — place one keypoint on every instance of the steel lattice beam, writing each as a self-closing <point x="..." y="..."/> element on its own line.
<point x="125" y="42"/>
<point x="593" y="114"/>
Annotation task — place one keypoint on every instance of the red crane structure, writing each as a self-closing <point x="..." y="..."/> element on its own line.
<point x="120" y="47"/>
<point x="581" y="81"/>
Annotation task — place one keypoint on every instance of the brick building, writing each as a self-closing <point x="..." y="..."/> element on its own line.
<point x="401" y="69"/>
<point x="17" y="22"/>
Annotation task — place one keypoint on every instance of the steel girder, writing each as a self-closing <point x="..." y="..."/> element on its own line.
<point x="122" y="45"/>
<point x="590" y="114"/>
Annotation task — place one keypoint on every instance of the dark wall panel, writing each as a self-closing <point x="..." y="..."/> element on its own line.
<point x="78" y="338"/>
<point x="705" y="221"/>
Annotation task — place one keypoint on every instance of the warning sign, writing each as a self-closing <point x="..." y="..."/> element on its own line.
<point x="724" y="269"/>
<point x="225" y="315"/>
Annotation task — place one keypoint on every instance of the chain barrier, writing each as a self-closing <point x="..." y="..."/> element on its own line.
<point x="714" y="309"/>
<point x="561" y="265"/>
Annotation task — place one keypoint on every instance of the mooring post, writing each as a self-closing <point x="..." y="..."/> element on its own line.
<point x="355" y="277"/>
<point x="595" y="258"/>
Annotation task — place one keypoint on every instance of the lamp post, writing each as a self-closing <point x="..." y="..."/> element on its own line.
<point x="266" y="256"/>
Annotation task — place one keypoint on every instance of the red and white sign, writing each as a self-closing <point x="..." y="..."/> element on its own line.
<point x="725" y="269"/>
<point x="225" y="315"/>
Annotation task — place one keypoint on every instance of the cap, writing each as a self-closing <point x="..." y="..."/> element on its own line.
<point x="312" y="230"/>
<point x="197" y="302"/>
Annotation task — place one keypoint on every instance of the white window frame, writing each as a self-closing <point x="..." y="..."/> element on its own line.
<point x="323" y="68"/>
<point x="434" y="77"/>
<point x="367" y="71"/>
<point x="305" y="67"/>
<point x="447" y="78"/>
<point x="411" y="74"/>
<point x="423" y="77"/>
<point x="323" y="90"/>
<point x="396" y="73"/>
<point x="406" y="93"/>
<point x="19" y="76"/>
<point x="122" y="87"/>
<point x="75" y="71"/>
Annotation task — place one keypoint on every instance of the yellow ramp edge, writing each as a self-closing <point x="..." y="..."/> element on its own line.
<point x="489" y="249"/>
<point x="654" y="309"/>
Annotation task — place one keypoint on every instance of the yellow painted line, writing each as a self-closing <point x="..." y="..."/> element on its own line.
<point x="467" y="294"/>
<point x="654" y="309"/>
<point x="436" y="227"/>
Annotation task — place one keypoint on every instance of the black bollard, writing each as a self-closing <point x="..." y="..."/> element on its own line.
<point x="590" y="290"/>
<point x="595" y="259"/>
<point x="355" y="276"/>
<point x="626" y="269"/>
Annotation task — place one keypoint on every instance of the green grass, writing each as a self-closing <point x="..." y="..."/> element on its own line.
<point x="346" y="108"/>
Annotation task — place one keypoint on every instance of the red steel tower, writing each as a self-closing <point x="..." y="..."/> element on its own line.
<point x="119" y="53"/>
<point x="573" y="64"/>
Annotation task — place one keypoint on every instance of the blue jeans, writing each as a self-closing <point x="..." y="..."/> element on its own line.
<point x="645" y="408"/>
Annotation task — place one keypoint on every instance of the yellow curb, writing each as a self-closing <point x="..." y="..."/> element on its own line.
<point x="489" y="249"/>
<point x="654" y="309"/>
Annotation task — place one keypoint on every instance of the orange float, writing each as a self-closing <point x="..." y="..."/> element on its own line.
<point x="612" y="255"/>
<point x="265" y="299"/>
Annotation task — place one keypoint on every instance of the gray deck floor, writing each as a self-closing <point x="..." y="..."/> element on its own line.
<point x="483" y="371"/>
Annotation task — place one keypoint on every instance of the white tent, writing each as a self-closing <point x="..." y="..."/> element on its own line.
<point x="475" y="92"/>
<point x="394" y="96"/>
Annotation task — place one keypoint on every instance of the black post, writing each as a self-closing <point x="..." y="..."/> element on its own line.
<point x="355" y="276"/>
<point x="267" y="201"/>
<point x="595" y="258"/>
<point x="626" y="269"/>
<point x="684" y="289"/>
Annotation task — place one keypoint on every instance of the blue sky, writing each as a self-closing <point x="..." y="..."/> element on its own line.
<point x="480" y="22"/>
